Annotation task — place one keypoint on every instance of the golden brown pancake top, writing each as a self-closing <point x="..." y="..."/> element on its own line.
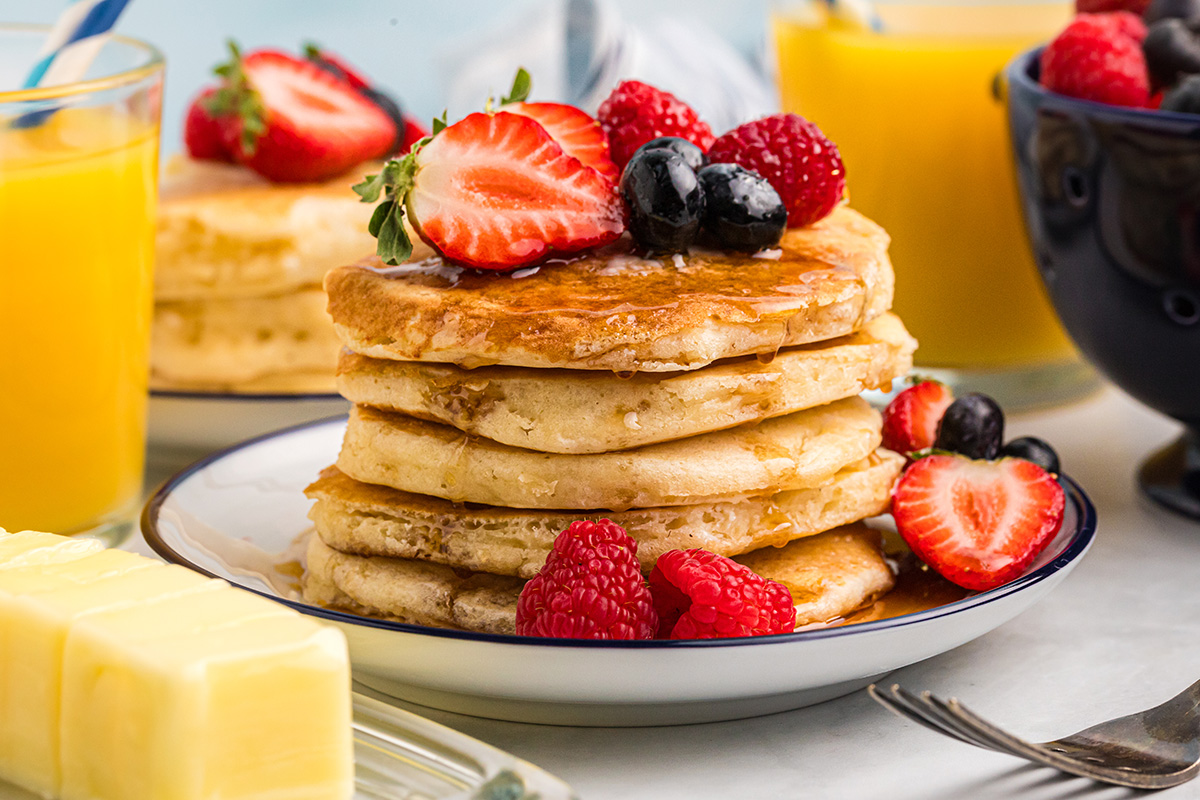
<point x="613" y="309"/>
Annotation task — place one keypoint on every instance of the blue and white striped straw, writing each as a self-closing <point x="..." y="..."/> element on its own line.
<point x="860" y="13"/>
<point x="74" y="42"/>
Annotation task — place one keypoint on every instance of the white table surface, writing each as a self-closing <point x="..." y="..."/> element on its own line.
<point x="1122" y="633"/>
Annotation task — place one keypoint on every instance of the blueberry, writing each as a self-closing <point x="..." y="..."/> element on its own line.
<point x="1164" y="9"/>
<point x="692" y="154"/>
<point x="389" y="106"/>
<point x="973" y="425"/>
<point x="1033" y="449"/>
<point x="664" y="198"/>
<point x="1183" y="96"/>
<point x="1172" y="49"/>
<point x="741" y="209"/>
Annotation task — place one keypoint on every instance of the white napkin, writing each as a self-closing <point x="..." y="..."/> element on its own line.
<point x="578" y="50"/>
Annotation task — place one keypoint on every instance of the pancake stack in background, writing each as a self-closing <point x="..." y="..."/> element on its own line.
<point x="702" y="400"/>
<point x="239" y="263"/>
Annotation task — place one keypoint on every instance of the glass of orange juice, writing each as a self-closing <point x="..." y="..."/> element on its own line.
<point x="909" y="92"/>
<point x="78" y="175"/>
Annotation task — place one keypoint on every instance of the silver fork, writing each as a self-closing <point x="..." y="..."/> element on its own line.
<point x="1153" y="749"/>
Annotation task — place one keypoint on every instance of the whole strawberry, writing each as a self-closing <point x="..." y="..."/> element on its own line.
<point x="591" y="587"/>
<point x="1137" y="7"/>
<point x="701" y="595"/>
<point x="1097" y="57"/>
<point x="978" y="524"/>
<point x="803" y="166"/>
<point x="910" y="421"/>
<point x="202" y="134"/>
<point x="635" y="112"/>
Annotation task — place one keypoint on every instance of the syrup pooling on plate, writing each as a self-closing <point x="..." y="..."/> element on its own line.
<point x="918" y="588"/>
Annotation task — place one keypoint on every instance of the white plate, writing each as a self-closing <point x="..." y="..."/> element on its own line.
<point x="237" y="514"/>
<point x="201" y="422"/>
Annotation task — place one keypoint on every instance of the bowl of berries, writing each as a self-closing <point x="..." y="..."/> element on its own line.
<point x="1105" y="124"/>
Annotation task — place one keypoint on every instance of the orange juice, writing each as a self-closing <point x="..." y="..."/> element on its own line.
<point x="76" y="246"/>
<point x="925" y="142"/>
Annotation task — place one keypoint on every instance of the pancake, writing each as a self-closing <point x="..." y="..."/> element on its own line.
<point x="852" y="571"/>
<point x="223" y="231"/>
<point x="612" y="310"/>
<point x="218" y="343"/>
<point x="797" y="451"/>
<point x="365" y="519"/>
<point x="829" y="575"/>
<point x="295" y="383"/>
<point x="415" y="592"/>
<point x="577" y="411"/>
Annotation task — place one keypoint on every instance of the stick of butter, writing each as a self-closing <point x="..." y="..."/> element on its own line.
<point x="122" y="678"/>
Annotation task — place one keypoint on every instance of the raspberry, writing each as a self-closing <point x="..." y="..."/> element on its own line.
<point x="701" y="595"/>
<point x="591" y="587"/>
<point x="1129" y="24"/>
<point x="802" y="165"/>
<point x="1096" y="58"/>
<point x="635" y="112"/>
<point x="1137" y="7"/>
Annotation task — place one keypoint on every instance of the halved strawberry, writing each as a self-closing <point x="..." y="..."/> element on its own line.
<point x="202" y="134"/>
<point x="977" y="523"/>
<point x="910" y="422"/>
<point x="335" y="65"/>
<point x="413" y="133"/>
<point x="291" y="121"/>
<point x="492" y="191"/>
<point x="579" y="134"/>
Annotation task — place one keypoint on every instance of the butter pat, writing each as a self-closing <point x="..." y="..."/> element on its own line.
<point x="122" y="678"/>
<point x="32" y="548"/>
<point x="253" y="710"/>
<point x="38" y="606"/>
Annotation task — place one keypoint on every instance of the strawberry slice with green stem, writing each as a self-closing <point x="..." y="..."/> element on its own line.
<point x="977" y="523"/>
<point x="492" y="191"/>
<point x="291" y="121"/>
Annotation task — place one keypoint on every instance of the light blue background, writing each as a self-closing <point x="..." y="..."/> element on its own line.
<point x="395" y="41"/>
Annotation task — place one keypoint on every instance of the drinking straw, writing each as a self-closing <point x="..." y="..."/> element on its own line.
<point x="74" y="41"/>
<point x="862" y="13"/>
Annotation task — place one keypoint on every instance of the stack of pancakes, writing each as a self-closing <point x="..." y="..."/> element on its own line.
<point x="698" y="400"/>
<point x="239" y="263"/>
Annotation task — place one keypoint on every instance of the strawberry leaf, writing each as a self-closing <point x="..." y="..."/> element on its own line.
<point x="370" y="189"/>
<point x="387" y="222"/>
<point x="237" y="98"/>
<point x="439" y="124"/>
<point x="519" y="92"/>
<point x="393" y="245"/>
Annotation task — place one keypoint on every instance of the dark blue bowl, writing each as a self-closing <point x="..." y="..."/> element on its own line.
<point x="1111" y="198"/>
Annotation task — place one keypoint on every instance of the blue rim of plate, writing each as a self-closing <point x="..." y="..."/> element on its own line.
<point x="244" y="397"/>
<point x="1075" y="547"/>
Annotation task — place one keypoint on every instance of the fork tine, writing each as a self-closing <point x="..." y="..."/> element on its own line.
<point x="924" y="703"/>
<point x="979" y="728"/>
<point x="894" y="700"/>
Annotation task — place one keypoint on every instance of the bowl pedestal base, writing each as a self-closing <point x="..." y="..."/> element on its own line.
<point x="1171" y="477"/>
